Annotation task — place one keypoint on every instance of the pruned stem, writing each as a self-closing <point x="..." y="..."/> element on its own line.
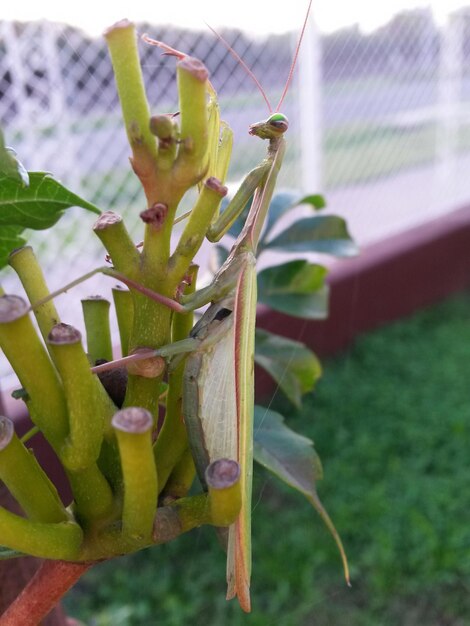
<point x="89" y="406"/>
<point x="96" y="317"/>
<point x="26" y="480"/>
<point x="29" y="359"/>
<point x="124" y="308"/>
<point x="25" y="264"/>
<point x="223" y="481"/>
<point x="133" y="427"/>
<point x="122" y="44"/>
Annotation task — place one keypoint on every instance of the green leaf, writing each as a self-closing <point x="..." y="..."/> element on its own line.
<point x="296" y="288"/>
<point x="285" y="453"/>
<point x="283" y="202"/>
<point x="9" y="240"/>
<point x="321" y="233"/>
<point x="292" y="458"/>
<point x="10" y="166"/>
<point x="317" y="201"/>
<point x="6" y="553"/>
<point x="238" y="224"/>
<point x="38" y="206"/>
<point x="293" y="366"/>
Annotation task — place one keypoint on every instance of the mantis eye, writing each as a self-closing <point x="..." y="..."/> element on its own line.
<point x="279" y="122"/>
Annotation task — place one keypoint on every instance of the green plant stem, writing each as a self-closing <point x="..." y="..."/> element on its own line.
<point x="122" y="45"/>
<point x="151" y="329"/>
<point x="172" y="440"/>
<point x="223" y="482"/>
<point x="133" y="429"/>
<point x="96" y="317"/>
<point x="170" y="521"/>
<point x="192" y="159"/>
<point x="194" y="233"/>
<point x="25" y="264"/>
<point x="188" y="169"/>
<point x="89" y="406"/>
<point x="26" y="480"/>
<point x="181" y="477"/>
<point x="45" y="540"/>
<point x="29" y="359"/>
<point x="124" y="308"/>
<point x="92" y="494"/>
<point x="113" y="234"/>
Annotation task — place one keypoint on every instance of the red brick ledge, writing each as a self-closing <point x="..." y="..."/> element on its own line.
<point x="388" y="281"/>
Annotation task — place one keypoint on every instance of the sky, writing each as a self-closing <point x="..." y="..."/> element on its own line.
<point x="256" y="16"/>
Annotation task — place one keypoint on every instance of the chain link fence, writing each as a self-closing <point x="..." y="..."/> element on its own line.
<point x="388" y="117"/>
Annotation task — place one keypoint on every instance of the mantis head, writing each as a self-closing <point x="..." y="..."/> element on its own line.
<point x="275" y="126"/>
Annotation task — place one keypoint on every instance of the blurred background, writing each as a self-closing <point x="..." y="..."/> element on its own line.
<point x="380" y="124"/>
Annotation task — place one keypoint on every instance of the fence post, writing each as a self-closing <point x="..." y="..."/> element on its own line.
<point x="310" y="105"/>
<point x="449" y="94"/>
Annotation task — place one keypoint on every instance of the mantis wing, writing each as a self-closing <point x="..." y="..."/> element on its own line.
<point x="218" y="408"/>
<point x="239" y="544"/>
<point x="209" y="399"/>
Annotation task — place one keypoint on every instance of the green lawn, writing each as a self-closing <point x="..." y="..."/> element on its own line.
<point x="391" y="421"/>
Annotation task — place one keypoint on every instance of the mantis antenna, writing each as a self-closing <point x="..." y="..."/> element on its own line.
<point x="251" y="73"/>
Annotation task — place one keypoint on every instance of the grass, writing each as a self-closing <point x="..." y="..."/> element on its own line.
<point x="391" y="421"/>
<point x="360" y="153"/>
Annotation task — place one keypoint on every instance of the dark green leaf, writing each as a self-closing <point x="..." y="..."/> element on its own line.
<point x="292" y="365"/>
<point x="6" y="553"/>
<point x="281" y="203"/>
<point x="292" y="458"/>
<point x="38" y="206"/>
<point x="237" y="226"/>
<point x="9" y="240"/>
<point x="10" y="166"/>
<point x="296" y="288"/>
<point x="317" y="201"/>
<point x="288" y="455"/>
<point x="322" y="233"/>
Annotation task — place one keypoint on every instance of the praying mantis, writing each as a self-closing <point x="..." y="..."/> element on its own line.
<point x="218" y="395"/>
<point x="215" y="362"/>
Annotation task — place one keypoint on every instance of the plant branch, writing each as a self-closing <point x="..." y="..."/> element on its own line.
<point x="51" y="581"/>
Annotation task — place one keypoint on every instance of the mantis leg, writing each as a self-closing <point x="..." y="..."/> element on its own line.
<point x="253" y="180"/>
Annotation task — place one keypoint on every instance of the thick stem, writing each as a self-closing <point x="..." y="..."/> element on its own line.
<point x="173" y="439"/>
<point x="98" y="333"/>
<point x="25" y="264"/>
<point x="52" y="581"/>
<point x="124" y="307"/>
<point x="122" y="44"/>
<point x="192" y="160"/>
<point x="223" y="482"/>
<point x="29" y="359"/>
<point x="46" y="540"/>
<point x="89" y="406"/>
<point x="194" y="233"/>
<point x="110" y="229"/>
<point x="181" y="478"/>
<point x="26" y="480"/>
<point x="133" y="428"/>
<point x="93" y="498"/>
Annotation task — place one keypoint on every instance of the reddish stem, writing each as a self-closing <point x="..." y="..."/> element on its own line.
<point x="51" y="581"/>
